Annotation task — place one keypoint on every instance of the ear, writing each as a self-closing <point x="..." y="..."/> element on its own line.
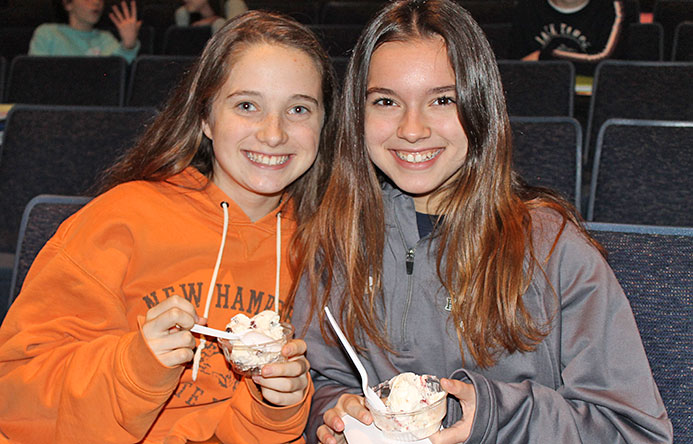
<point x="67" y="5"/>
<point x="207" y="130"/>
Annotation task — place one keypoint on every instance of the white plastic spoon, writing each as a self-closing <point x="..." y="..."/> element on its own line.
<point x="372" y="397"/>
<point x="248" y="338"/>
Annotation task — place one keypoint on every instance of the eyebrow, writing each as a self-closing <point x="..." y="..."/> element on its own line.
<point x="257" y="94"/>
<point x="389" y="92"/>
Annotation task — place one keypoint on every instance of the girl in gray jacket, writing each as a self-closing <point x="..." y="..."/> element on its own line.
<point x="438" y="260"/>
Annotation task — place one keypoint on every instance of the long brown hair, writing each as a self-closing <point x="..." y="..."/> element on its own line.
<point x="175" y="139"/>
<point x="486" y="208"/>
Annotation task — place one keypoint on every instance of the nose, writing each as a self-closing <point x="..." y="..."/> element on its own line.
<point x="271" y="131"/>
<point x="413" y="126"/>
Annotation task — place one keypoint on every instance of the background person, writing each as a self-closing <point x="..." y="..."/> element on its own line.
<point x="208" y="12"/>
<point x="582" y="31"/>
<point x="79" y="37"/>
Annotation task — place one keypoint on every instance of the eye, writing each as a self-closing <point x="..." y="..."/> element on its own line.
<point x="384" y="101"/>
<point x="246" y="106"/>
<point x="444" y="100"/>
<point x="299" y="109"/>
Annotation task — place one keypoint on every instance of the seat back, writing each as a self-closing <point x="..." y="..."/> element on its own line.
<point x="638" y="90"/>
<point x="59" y="150"/>
<point x="655" y="268"/>
<point x="340" y="66"/>
<point x="547" y="152"/>
<point x="645" y="41"/>
<point x="303" y="11"/>
<point x="642" y="173"/>
<point x="158" y="16"/>
<point x="489" y="11"/>
<point x="26" y="13"/>
<point x="186" y="40"/>
<point x="3" y="70"/>
<point x="14" y="40"/>
<point x="58" y="80"/>
<point x="670" y="13"/>
<point x="40" y="220"/>
<point x="153" y="78"/>
<point x="683" y="42"/>
<point x="349" y="12"/>
<point x="499" y="37"/>
<point x="544" y="88"/>
<point x="338" y="40"/>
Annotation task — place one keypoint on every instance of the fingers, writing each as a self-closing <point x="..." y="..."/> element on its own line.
<point x="116" y="15"/>
<point x="284" y="383"/>
<point x="173" y="349"/>
<point x="355" y="406"/>
<point x="461" y="390"/>
<point x="352" y="405"/>
<point x="294" y="347"/>
<point x="133" y="10"/>
<point x="123" y="14"/>
<point x="461" y="430"/>
<point x="174" y="302"/>
<point x="328" y="436"/>
<point x="166" y="331"/>
<point x="333" y="420"/>
<point x="293" y="368"/>
<point x="114" y="19"/>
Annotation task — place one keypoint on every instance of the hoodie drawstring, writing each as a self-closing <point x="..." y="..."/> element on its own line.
<point x="208" y="300"/>
<point x="278" y="262"/>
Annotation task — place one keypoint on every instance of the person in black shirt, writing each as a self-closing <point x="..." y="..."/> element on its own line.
<point x="583" y="31"/>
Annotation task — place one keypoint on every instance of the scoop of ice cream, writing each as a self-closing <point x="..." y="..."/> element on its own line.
<point x="265" y="323"/>
<point x="415" y="407"/>
<point x="261" y="341"/>
<point x="410" y="392"/>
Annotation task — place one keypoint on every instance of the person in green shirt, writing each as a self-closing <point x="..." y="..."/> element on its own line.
<point x="79" y="37"/>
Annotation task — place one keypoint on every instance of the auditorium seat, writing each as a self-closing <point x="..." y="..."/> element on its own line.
<point x="642" y="173"/>
<point x="63" y="80"/>
<point x="654" y="265"/>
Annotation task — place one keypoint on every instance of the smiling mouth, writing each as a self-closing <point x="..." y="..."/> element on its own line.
<point x="418" y="157"/>
<point x="264" y="159"/>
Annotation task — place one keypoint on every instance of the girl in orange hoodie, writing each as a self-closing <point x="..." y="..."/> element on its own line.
<point x="193" y="226"/>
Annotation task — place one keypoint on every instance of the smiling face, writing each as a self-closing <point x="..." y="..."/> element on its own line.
<point x="265" y="125"/>
<point x="412" y="130"/>
<point x="83" y="14"/>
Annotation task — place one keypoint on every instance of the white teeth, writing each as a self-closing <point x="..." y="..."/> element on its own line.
<point x="266" y="160"/>
<point x="418" y="157"/>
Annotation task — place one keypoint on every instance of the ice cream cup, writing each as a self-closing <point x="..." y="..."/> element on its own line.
<point x="409" y="426"/>
<point x="248" y="360"/>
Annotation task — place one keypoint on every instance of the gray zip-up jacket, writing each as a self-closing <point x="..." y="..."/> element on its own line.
<point x="588" y="381"/>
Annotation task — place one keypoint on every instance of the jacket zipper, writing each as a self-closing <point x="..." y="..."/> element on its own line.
<point x="409" y="266"/>
<point x="410" y="289"/>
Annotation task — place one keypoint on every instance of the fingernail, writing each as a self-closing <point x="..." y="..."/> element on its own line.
<point x="256" y="379"/>
<point x="267" y="371"/>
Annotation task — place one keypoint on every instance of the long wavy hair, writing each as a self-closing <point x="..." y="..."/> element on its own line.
<point x="175" y="139"/>
<point x="486" y="208"/>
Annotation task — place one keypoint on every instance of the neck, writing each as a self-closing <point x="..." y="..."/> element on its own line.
<point x="256" y="209"/>
<point x="79" y="25"/>
<point x="568" y="4"/>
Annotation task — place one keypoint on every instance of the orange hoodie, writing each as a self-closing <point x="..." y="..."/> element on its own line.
<point x="74" y="366"/>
